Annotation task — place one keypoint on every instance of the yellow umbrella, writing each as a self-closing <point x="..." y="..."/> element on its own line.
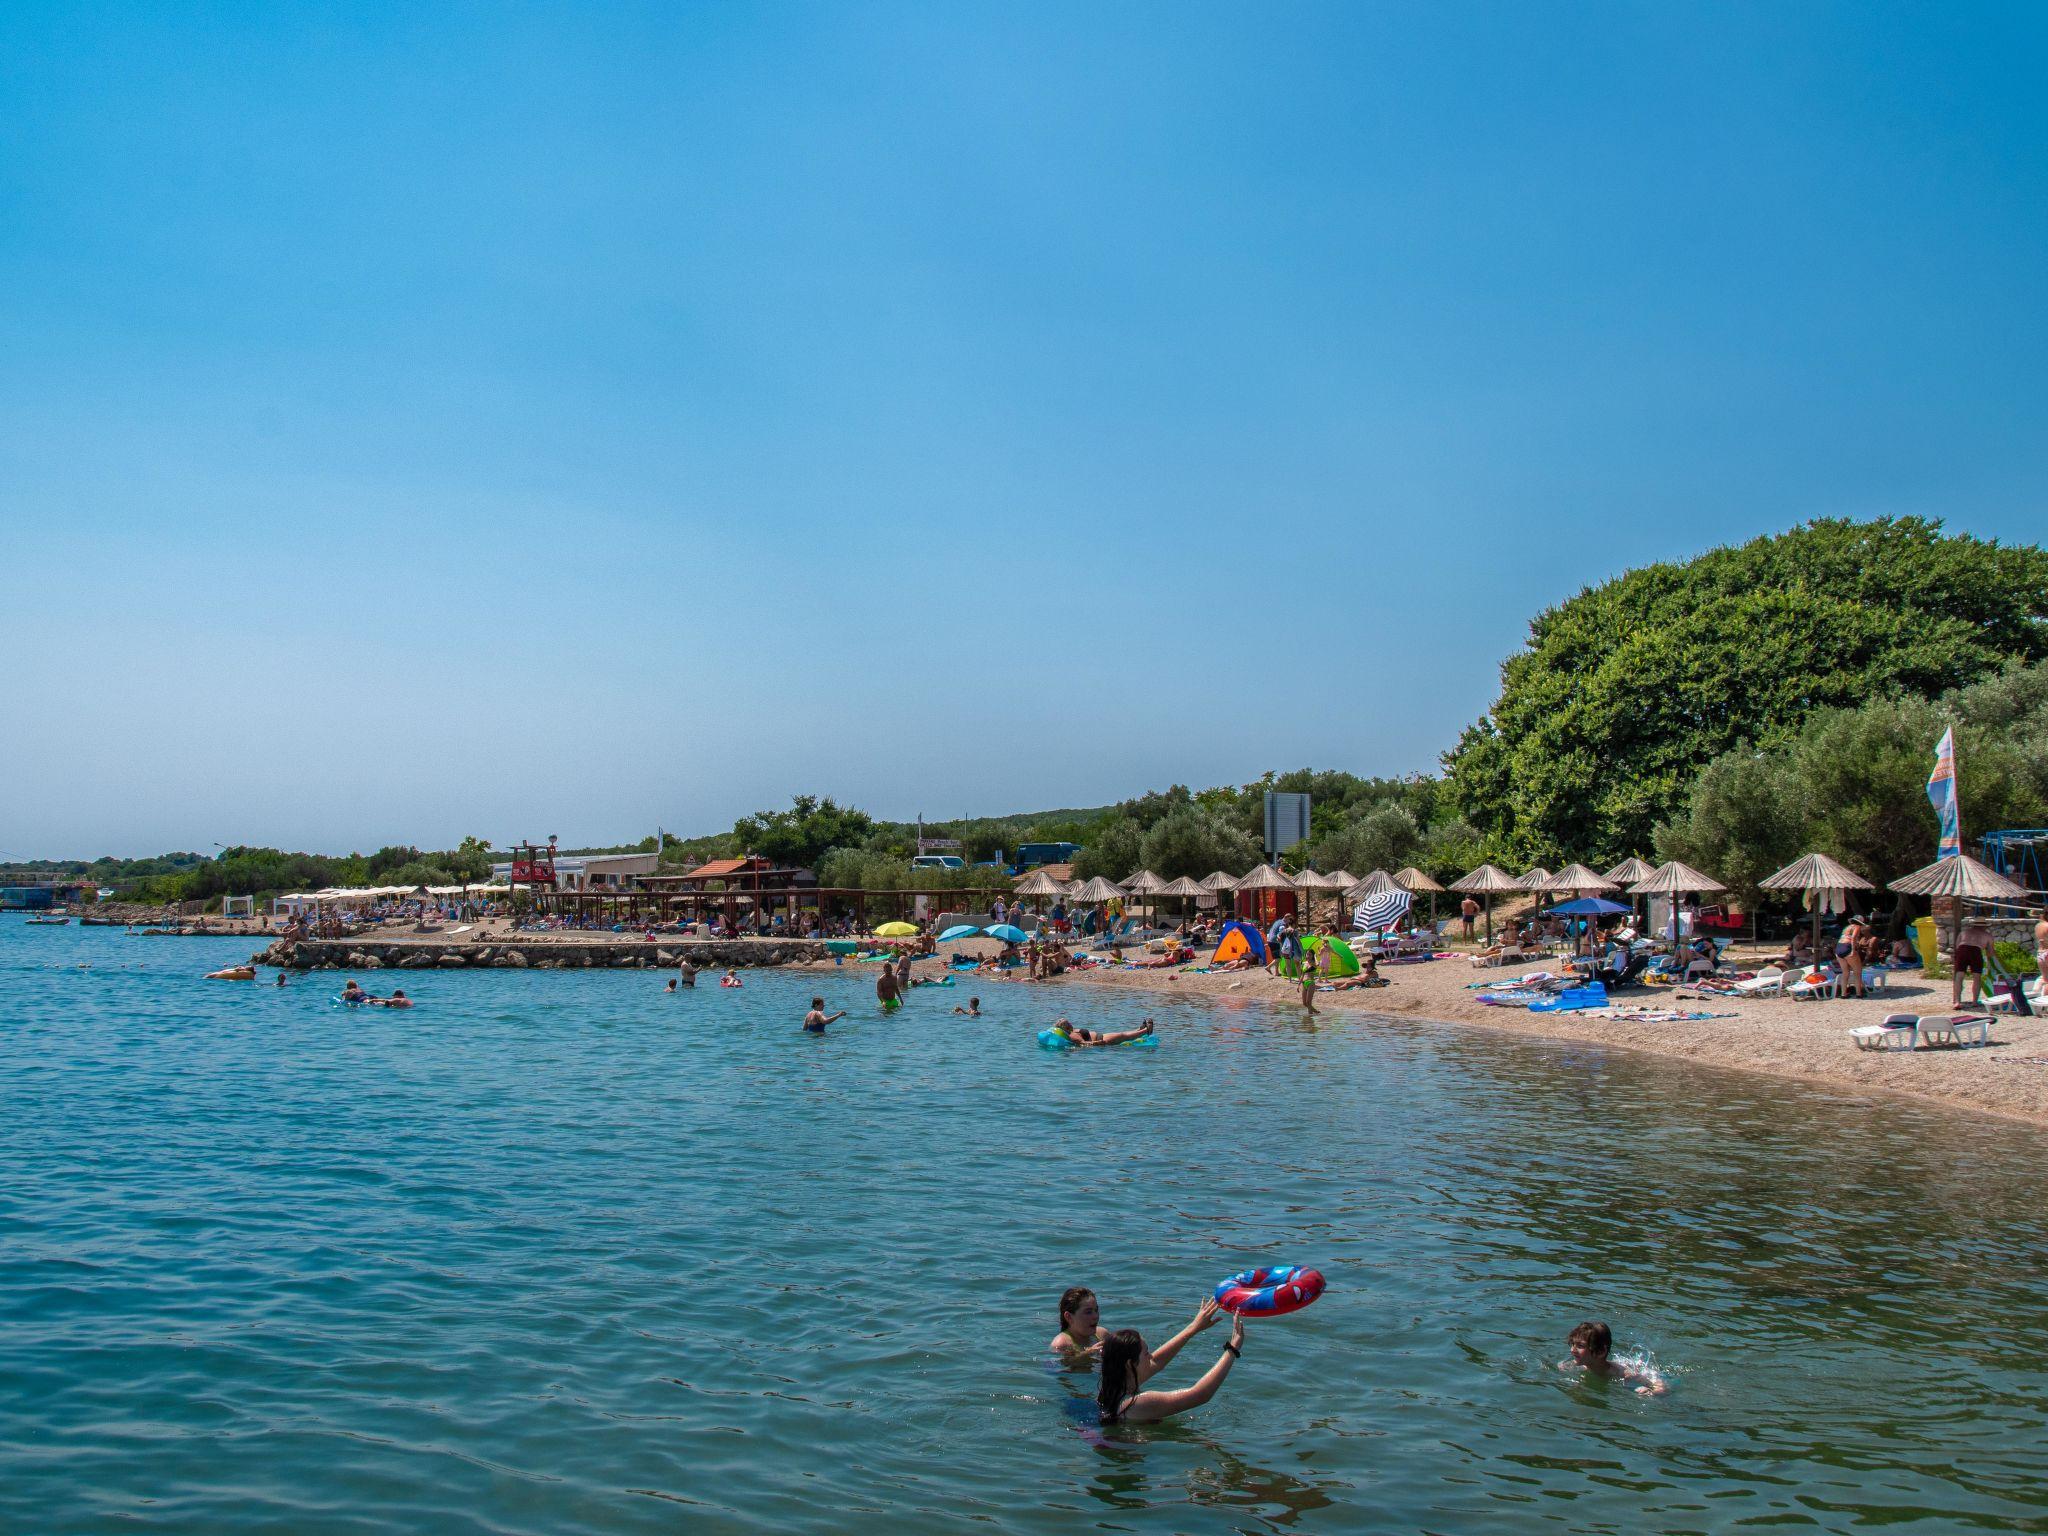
<point x="898" y="930"/>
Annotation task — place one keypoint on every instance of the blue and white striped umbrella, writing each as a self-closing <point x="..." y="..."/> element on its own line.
<point x="1382" y="910"/>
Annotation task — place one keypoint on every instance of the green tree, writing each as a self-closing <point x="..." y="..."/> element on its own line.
<point x="1112" y="852"/>
<point x="803" y="834"/>
<point x="1852" y="783"/>
<point x="1627" y="691"/>
<point x="1192" y="840"/>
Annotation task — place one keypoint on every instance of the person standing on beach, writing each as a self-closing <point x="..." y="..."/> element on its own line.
<point x="1973" y="943"/>
<point x="1469" y="911"/>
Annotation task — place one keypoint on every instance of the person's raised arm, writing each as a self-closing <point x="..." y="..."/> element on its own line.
<point x="1162" y="1405"/>
<point x="1205" y="1317"/>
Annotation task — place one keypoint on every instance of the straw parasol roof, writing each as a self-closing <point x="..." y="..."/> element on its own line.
<point x="1183" y="887"/>
<point x="1374" y="884"/>
<point x="1219" y="881"/>
<point x="1039" y="883"/>
<point x="1670" y="879"/>
<point x="1576" y="877"/>
<point x="1486" y="880"/>
<point x="1961" y="876"/>
<point x="1098" y="889"/>
<point x="1534" y="878"/>
<point x="1312" y="880"/>
<point x="1143" y="883"/>
<point x="1265" y="878"/>
<point x="1345" y="878"/>
<point x="1815" y="872"/>
<point x="1413" y="879"/>
<point x="1629" y="871"/>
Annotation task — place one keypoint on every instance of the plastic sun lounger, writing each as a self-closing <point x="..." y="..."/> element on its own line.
<point x="1957" y="1029"/>
<point x="1899" y="1032"/>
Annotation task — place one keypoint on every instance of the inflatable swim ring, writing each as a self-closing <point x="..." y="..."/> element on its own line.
<point x="1270" y="1292"/>
<point x="1053" y="1040"/>
<point x="730" y="981"/>
<point x="233" y="973"/>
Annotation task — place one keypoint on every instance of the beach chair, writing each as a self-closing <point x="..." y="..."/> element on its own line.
<point x="1898" y="1032"/>
<point x="2001" y="1002"/>
<point x="1769" y="982"/>
<point x="1957" y="1029"/>
<point x="1804" y="989"/>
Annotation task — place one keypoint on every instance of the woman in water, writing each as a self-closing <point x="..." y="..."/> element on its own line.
<point x="1081" y="1331"/>
<point x="1126" y="1364"/>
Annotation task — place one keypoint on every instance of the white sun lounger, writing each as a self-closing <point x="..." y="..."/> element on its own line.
<point x="1955" y="1028"/>
<point x="1898" y="1032"/>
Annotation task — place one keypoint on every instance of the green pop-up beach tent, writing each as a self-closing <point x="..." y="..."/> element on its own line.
<point x="1330" y="957"/>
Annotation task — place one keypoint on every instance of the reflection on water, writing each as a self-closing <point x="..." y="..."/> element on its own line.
<point x="559" y="1253"/>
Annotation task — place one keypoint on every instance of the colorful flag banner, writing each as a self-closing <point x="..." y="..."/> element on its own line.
<point x="1941" y="793"/>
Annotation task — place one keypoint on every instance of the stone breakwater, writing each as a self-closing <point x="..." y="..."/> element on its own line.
<point x="363" y="953"/>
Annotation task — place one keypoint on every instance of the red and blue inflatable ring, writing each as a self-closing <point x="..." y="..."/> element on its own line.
<point x="1270" y="1292"/>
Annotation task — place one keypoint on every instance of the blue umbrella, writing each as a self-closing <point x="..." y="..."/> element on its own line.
<point x="1009" y="933"/>
<point x="958" y="931"/>
<point x="1590" y="906"/>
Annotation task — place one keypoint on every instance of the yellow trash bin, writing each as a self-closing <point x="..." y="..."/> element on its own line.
<point x="1923" y="939"/>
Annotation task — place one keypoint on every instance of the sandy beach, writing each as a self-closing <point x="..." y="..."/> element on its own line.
<point x="1804" y="1040"/>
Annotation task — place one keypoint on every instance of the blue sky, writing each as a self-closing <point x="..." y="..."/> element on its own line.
<point x="420" y="421"/>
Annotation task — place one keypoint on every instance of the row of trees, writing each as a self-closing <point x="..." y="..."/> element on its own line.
<point x="242" y="871"/>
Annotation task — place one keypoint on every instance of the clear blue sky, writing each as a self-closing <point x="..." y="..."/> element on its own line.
<point x="418" y="421"/>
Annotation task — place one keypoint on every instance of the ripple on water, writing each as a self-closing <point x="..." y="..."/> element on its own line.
<point x="558" y="1252"/>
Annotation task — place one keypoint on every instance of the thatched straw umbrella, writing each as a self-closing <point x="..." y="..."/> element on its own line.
<point x="1312" y="880"/>
<point x="1415" y="882"/>
<point x="1144" y="883"/>
<point x="1219" y="885"/>
<point x="1580" y="881"/>
<point x="1372" y="885"/>
<point x="1816" y="873"/>
<point x="1265" y="878"/>
<point x="1964" y="879"/>
<point x="1182" y="889"/>
<point x="1672" y="880"/>
<point x="1487" y="881"/>
<point x="1038" y="885"/>
<point x="1629" y="871"/>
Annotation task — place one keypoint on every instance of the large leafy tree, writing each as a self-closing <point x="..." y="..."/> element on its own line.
<point x="803" y="834"/>
<point x="1626" y="692"/>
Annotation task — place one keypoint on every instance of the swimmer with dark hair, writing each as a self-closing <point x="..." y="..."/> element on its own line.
<point x="1592" y="1345"/>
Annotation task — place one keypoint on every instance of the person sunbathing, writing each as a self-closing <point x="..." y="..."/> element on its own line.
<point x="1078" y="1036"/>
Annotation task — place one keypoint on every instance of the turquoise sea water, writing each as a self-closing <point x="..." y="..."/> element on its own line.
<point x="558" y="1253"/>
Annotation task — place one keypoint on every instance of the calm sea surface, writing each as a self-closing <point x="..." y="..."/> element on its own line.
<point x="557" y="1253"/>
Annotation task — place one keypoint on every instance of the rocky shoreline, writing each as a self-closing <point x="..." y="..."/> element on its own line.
<point x="365" y="953"/>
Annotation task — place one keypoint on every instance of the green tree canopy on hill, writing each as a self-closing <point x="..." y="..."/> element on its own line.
<point x="1626" y="692"/>
<point x="805" y="833"/>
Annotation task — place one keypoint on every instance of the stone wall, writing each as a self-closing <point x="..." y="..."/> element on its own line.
<point x="364" y="953"/>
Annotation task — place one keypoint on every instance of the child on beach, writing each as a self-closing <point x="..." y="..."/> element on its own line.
<point x="1591" y="1345"/>
<point x="972" y="1010"/>
<point x="816" y="1020"/>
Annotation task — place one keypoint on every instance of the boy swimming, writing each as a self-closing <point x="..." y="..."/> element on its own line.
<point x="1591" y="1345"/>
<point x="973" y="1008"/>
